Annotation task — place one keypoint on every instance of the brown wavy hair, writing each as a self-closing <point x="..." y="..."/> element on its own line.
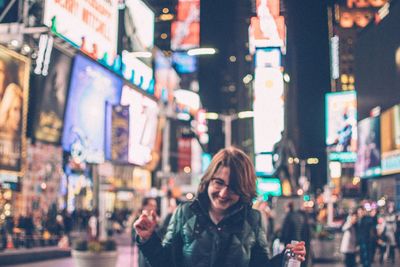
<point x="242" y="174"/>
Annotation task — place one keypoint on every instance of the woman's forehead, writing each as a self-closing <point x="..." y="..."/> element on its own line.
<point x="222" y="172"/>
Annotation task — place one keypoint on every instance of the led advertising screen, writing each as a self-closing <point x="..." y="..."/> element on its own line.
<point x="117" y="133"/>
<point x="268" y="28"/>
<point x="390" y="140"/>
<point x="14" y="93"/>
<point x="139" y="25"/>
<point x="143" y="122"/>
<point x="84" y="123"/>
<point x="50" y="95"/>
<point x="368" y="162"/>
<point x="341" y="123"/>
<point x="267" y="187"/>
<point x="185" y="31"/>
<point x="95" y="21"/>
<point x="269" y="57"/>
<point x="183" y="63"/>
<point x="377" y="63"/>
<point x="263" y="164"/>
<point x="167" y="80"/>
<point x="268" y="119"/>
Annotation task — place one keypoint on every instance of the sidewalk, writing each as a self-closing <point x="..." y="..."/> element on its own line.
<point x="23" y="255"/>
<point x="127" y="258"/>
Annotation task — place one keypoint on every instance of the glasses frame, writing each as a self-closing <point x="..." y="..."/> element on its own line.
<point x="214" y="183"/>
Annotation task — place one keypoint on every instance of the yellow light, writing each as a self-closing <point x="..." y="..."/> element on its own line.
<point x="166" y="17"/>
<point x="164" y="36"/>
<point x="290" y="160"/>
<point x="165" y="10"/>
<point x="356" y="180"/>
<point x="232" y="59"/>
<point x="211" y="116"/>
<point x="245" y="114"/>
<point x="312" y="161"/>
<point x="344" y="78"/>
<point x="187" y="169"/>
<point x="296" y="160"/>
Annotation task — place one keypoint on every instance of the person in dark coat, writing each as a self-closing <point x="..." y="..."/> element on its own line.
<point x="218" y="228"/>
<point x="366" y="233"/>
<point x="296" y="227"/>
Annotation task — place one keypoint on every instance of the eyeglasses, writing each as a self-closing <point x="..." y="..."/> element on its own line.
<point x="220" y="184"/>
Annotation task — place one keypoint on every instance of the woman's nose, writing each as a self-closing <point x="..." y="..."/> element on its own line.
<point x="224" y="192"/>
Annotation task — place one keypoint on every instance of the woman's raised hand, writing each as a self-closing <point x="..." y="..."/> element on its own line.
<point x="145" y="224"/>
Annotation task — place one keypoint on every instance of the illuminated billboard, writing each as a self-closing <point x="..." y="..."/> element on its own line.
<point x="183" y="63"/>
<point x="390" y="140"/>
<point x="137" y="72"/>
<point x="117" y="133"/>
<point x="143" y="123"/>
<point x="14" y="93"/>
<point x="90" y="88"/>
<point x="51" y="94"/>
<point x="368" y="162"/>
<point x="167" y="80"/>
<point x="139" y="25"/>
<point x="263" y="164"/>
<point x="341" y="122"/>
<point x="268" y="57"/>
<point x="268" y="108"/>
<point x="268" y="28"/>
<point x="185" y="31"/>
<point x="267" y="187"/>
<point x="96" y="21"/>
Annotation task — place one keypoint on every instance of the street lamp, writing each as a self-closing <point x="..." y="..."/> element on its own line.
<point x="227" y="122"/>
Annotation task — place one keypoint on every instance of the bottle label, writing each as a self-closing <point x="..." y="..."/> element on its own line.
<point x="293" y="263"/>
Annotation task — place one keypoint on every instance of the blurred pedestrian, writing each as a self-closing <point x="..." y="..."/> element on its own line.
<point x="365" y="235"/>
<point x="296" y="227"/>
<point x="219" y="227"/>
<point x="348" y="245"/>
<point x="390" y="219"/>
<point x="381" y="238"/>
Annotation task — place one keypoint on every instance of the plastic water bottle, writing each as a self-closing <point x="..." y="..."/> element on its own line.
<point x="289" y="258"/>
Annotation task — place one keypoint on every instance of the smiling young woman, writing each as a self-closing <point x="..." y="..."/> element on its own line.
<point x="218" y="228"/>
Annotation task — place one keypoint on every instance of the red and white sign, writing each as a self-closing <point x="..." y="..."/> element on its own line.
<point x="95" y="20"/>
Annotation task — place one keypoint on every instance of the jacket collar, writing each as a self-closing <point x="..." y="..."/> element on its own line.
<point x="235" y="214"/>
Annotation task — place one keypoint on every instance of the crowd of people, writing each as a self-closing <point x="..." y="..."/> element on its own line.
<point x="370" y="232"/>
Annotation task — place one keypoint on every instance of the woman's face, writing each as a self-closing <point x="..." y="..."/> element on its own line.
<point x="2" y="78"/>
<point x="221" y="196"/>
<point x="15" y="114"/>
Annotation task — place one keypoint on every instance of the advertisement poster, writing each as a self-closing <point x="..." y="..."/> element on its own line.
<point x="341" y="121"/>
<point x="390" y="132"/>
<point x="94" y="21"/>
<point x="14" y="92"/>
<point x="368" y="162"/>
<point x="139" y="25"/>
<point x="51" y="97"/>
<point x="268" y="119"/>
<point x="117" y="133"/>
<point x="185" y="31"/>
<point x="42" y="180"/>
<point x="84" y="123"/>
<point x="143" y="122"/>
